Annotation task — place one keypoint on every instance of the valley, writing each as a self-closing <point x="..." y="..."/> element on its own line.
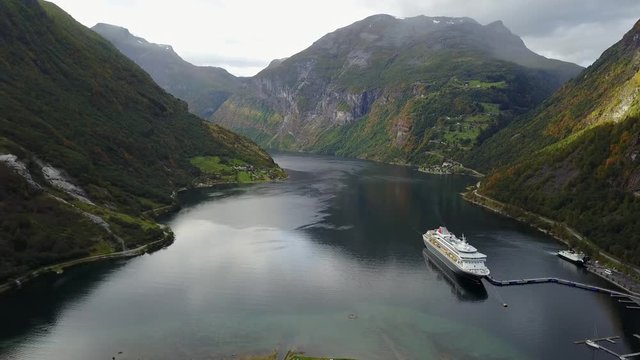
<point x="415" y="91"/>
<point x="90" y="146"/>
<point x="161" y="207"/>
<point x="326" y="270"/>
<point x="440" y="94"/>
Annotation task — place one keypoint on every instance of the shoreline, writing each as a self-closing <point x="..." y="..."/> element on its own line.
<point x="559" y="231"/>
<point x="16" y="283"/>
<point x="455" y="169"/>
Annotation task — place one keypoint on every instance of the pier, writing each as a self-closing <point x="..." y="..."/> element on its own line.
<point x="553" y="280"/>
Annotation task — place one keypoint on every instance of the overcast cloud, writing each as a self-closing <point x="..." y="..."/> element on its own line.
<point x="243" y="36"/>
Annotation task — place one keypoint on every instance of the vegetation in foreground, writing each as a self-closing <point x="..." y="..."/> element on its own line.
<point x="291" y="355"/>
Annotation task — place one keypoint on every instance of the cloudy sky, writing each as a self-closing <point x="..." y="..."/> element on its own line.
<point x="243" y="36"/>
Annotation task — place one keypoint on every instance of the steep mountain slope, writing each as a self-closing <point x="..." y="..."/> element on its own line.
<point x="605" y="92"/>
<point x="577" y="157"/>
<point x="203" y="88"/>
<point x="89" y="144"/>
<point x="410" y="90"/>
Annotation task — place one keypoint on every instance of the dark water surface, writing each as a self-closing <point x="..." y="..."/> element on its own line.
<point x="329" y="262"/>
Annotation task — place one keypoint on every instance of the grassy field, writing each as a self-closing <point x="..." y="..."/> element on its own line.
<point x="218" y="170"/>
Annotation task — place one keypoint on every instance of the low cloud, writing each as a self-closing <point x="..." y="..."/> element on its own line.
<point x="246" y="66"/>
<point x="571" y="30"/>
<point x="244" y="36"/>
<point x="582" y="43"/>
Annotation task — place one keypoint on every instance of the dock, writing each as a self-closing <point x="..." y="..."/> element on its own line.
<point x="553" y="280"/>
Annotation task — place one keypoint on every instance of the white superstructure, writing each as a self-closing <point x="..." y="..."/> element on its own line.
<point x="573" y="256"/>
<point x="457" y="254"/>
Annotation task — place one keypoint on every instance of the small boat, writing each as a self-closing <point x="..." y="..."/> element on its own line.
<point x="575" y="257"/>
<point x="592" y="344"/>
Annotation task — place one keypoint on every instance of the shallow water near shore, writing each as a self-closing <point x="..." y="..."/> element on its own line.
<point x="329" y="262"/>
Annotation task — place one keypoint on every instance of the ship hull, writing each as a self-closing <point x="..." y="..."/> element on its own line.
<point x="464" y="289"/>
<point x="578" y="262"/>
<point x="442" y="260"/>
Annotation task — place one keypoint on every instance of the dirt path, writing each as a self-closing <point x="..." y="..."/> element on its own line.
<point x="501" y="208"/>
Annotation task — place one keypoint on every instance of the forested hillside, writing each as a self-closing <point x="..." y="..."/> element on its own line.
<point x="577" y="157"/>
<point x="89" y="144"/>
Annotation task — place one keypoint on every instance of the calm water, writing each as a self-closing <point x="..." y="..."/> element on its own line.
<point x="329" y="262"/>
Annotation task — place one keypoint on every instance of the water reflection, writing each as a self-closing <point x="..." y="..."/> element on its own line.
<point x="285" y="264"/>
<point x="39" y="303"/>
<point x="464" y="289"/>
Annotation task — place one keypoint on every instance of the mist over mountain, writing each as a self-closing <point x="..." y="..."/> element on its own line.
<point x="413" y="90"/>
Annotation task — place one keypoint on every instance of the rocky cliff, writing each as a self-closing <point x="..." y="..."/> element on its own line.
<point x="398" y="90"/>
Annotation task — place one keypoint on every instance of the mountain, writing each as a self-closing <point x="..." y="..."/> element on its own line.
<point x="90" y="146"/>
<point x="204" y="88"/>
<point x="409" y="90"/>
<point x="576" y="158"/>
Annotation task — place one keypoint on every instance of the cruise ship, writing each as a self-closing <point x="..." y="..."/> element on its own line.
<point x="456" y="254"/>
